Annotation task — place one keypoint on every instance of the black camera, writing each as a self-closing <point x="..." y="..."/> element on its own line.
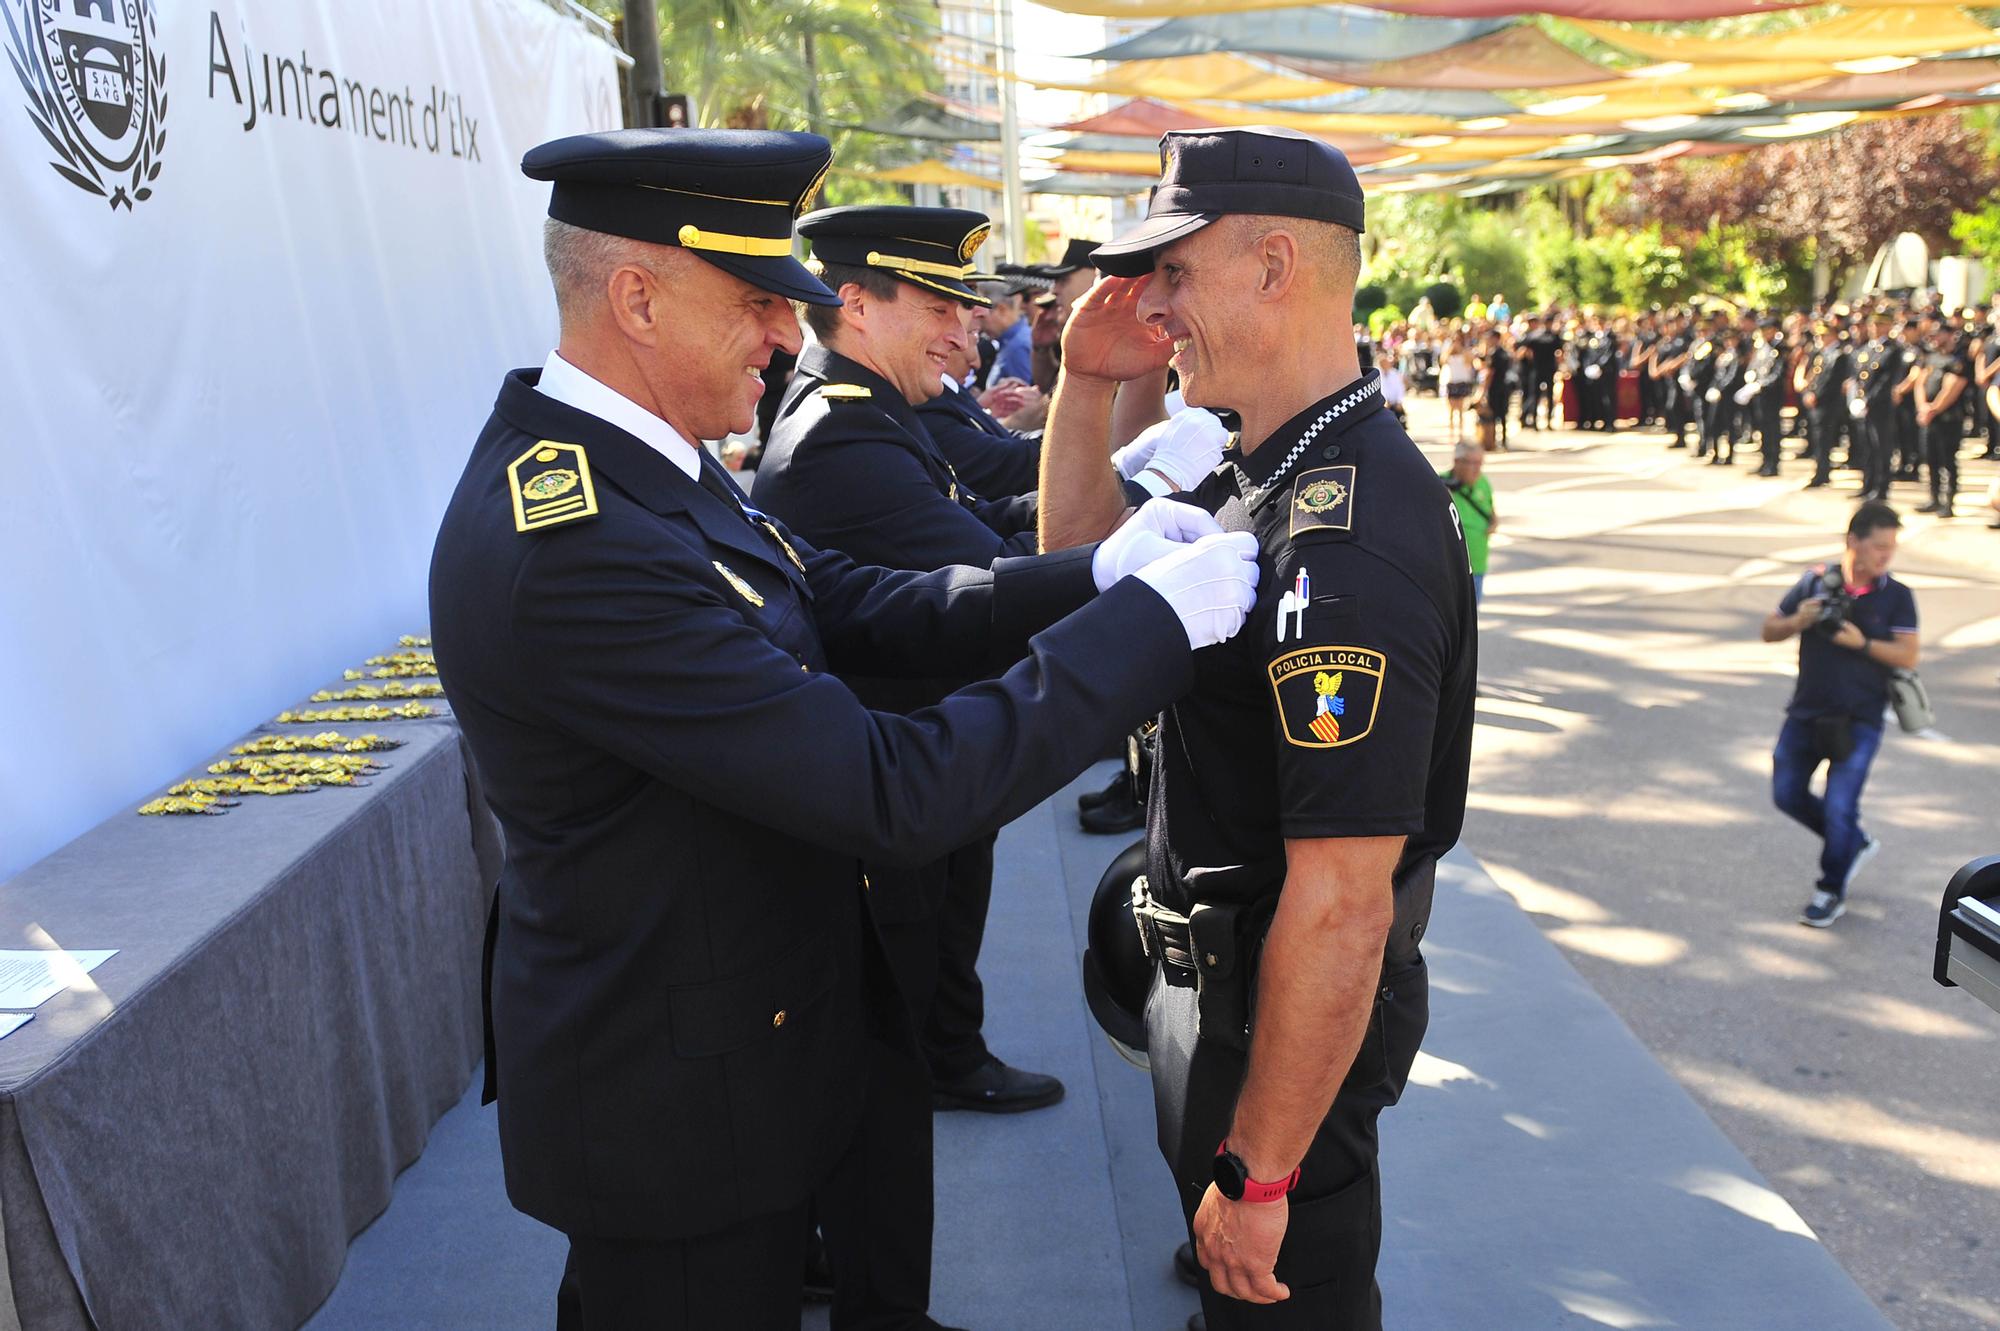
<point x="1836" y="603"/>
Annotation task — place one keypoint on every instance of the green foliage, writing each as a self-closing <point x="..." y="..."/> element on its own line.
<point x="801" y="64"/>
<point x="1380" y="320"/>
<point x="1979" y="232"/>
<point x="1433" y="239"/>
<point x="1445" y="299"/>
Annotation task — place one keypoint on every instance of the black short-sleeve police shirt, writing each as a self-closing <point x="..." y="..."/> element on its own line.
<point x="1344" y="706"/>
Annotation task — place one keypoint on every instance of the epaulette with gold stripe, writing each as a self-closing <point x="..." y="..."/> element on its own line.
<point x="844" y="392"/>
<point x="550" y="484"/>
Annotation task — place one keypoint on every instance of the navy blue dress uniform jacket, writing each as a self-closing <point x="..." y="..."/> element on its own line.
<point x="850" y="466"/>
<point x="987" y="456"/>
<point x="685" y="970"/>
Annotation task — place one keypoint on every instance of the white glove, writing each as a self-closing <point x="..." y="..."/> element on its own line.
<point x="1184" y="449"/>
<point x="1153" y="532"/>
<point x="1857" y="407"/>
<point x="1211" y="584"/>
<point x="1687" y="383"/>
<point x="1713" y="395"/>
<point x="1745" y="393"/>
<point x="1593" y="371"/>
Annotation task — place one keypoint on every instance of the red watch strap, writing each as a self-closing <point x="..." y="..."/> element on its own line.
<point x="1253" y="1191"/>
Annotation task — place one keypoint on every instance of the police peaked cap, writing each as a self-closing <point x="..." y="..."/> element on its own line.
<point x="1076" y="257"/>
<point x="927" y="247"/>
<point x="728" y="195"/>
<point x="1209" y="173"/>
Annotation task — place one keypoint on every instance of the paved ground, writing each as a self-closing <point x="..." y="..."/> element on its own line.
<point x="1620" y="793"/>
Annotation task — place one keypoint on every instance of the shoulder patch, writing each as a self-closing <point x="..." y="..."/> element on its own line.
<point x="550" y="484"/>
<point x="1327" y="696"/>
<point x="843" y="392"/>
<point x="1323" y="500"/>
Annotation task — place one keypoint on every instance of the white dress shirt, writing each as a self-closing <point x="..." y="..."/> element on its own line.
<point x="565" y="383"/>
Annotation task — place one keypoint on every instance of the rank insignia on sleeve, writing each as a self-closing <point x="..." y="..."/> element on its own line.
<point x="1327" y="696"/>
<point x="549" y="484"/>
<point x="1323" y="500"/>
<point x="844" y="392"/>
<point x="734" y="579"/>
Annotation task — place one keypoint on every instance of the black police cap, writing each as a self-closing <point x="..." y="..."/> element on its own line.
<point x="1209" y="173"/>
<point x="729" y="195"/>
<point x="927" y="247"/>
<point x="1076" y="257"/>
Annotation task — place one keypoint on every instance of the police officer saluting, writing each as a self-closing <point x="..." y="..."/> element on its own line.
<point x="1304" y="790"/>
<point x="693" y="1030"/>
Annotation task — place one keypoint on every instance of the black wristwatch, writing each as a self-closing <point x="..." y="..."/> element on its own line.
<point x="1232" y="1179"/>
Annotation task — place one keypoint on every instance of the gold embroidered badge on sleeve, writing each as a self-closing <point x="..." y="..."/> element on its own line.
<point x="550" y="484"/>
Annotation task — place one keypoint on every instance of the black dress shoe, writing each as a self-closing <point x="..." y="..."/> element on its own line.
<point x="1187" y="1268"/>
<point x="1119" y="790"/>
<point x="995" y="1088"/>
<point x="1197" y="1323"/>
<point x="1107" y="819"/>
<point x="1814" y="484"/>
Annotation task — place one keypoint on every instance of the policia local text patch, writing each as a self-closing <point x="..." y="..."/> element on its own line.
<point x="1327" y="695"/>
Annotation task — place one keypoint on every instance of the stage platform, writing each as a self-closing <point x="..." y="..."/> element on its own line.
<point x="1542" y="1172"/>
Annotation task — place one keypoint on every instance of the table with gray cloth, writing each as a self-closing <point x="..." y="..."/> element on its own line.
<point x="191" y="1140"/>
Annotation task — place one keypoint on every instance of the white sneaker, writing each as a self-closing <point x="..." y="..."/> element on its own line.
<point x="1824" y="908"/>
<point x="1861" y="857"/>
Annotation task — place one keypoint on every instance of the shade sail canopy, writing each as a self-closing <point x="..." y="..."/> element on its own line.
<point x="1227" y="77"/>
<point x="930" y="173"/>
<point x="1097" y="187"/>
<point x="1330" y="32"/>
<point x="1866" y="34"/>
<point x="1587" y="9"/>
<point x="1140" y="116"/>
<point x="1516" y="56"/>
<point x="925" y="120"/>
<point x="1924" y="79"/>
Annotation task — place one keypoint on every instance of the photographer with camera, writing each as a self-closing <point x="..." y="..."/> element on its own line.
<point x="1856" y="626"/>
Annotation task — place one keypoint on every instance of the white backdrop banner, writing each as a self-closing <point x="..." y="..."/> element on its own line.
<point x="262" y="266"/>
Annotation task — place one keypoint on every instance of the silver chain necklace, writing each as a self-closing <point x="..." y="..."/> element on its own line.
<point x="1369" y="386"/>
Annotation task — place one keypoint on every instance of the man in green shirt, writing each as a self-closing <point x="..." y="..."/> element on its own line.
<point x="1472" y="495"/>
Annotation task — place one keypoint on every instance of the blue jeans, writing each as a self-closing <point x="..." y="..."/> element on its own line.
<point x="1478" y="587"/>
<point x="1835" y="818"/>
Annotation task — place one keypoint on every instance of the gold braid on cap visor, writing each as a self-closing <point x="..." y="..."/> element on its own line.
<point x="764" y="247"/>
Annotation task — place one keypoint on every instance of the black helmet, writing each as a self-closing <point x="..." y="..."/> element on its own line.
<point x="1116" y="971"/>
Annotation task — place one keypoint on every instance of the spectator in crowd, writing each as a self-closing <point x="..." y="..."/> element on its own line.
<point x="1472" y="495"/>
<point x="1459" y="378"/>
<point x="1475" y="309"/>
<point x="1006" y="322"/>
<point x="1500" y="312"/>
<point x="1856" y="624"/>
<point x="1496" y="389"/>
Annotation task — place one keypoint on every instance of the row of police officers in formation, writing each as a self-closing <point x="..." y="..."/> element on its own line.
<point x="1891" y="391"/>
<point x="749" y="752"/>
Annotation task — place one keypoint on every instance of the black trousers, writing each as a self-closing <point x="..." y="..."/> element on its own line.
<point x="1533" y="389"/>
<point x="1334" y="1232"/>
<point x="1768" y="411"/>
<point x="874" y="1207"/>
<point x="1942" y="438"/>
<point x="934" y="950"/>
<point x="1876" y="440"/>
<point x="1721" y="427"/>
<point x="1909" y="440"/>
<point x="1823" y="426"/>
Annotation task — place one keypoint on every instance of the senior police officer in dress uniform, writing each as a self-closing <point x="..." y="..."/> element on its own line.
<point x="1305" y="788"/>
<point x="989" y="457"/>
<point x="692" y="1028"/>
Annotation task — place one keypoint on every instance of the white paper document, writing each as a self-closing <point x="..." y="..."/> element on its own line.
<point x="30" y="979"/>
<point x="13" y="1021"/>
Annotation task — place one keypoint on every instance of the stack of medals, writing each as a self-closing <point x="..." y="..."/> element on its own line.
<point x="409" y="711"/>
<point x="327" y="741"/>
<point x="275" y="765"/>
<point x="395" y="688"/>
<point x="397" y="665"/>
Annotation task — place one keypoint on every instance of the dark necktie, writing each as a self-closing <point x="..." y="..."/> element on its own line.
<point x="712" y="481"/>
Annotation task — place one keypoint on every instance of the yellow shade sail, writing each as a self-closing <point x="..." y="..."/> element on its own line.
<point x="1111" y="164"/>
<point x="1332" y="126"/>
<point x="1677" y="76"/>
<point x="1864" y="34"/>
<point x="928" y="173"/>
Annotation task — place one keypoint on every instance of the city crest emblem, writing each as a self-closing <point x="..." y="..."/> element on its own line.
<point x="96" y="87"/>
<point x="1327" y="696"/>
<point x="1323" y="500"/>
